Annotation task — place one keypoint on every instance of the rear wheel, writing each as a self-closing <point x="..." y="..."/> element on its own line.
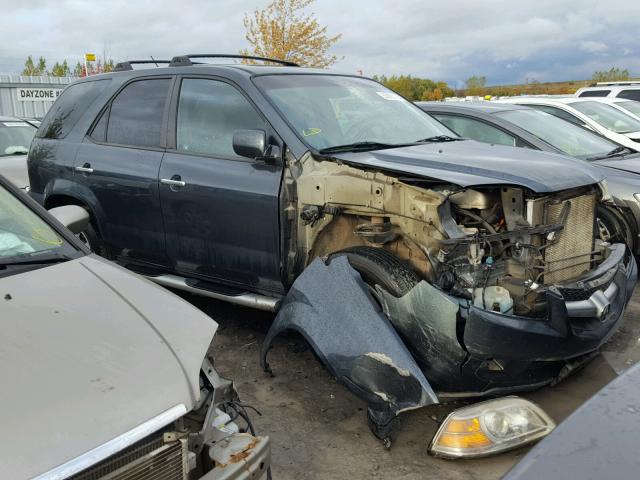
<point x="91" y="238"/>
<point x="379" y="267"/>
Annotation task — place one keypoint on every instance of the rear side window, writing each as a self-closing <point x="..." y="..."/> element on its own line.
<point x="476" y="130"/>
<point x="595" y="93"/>
<point x="68" y="109"/>
<point x="137" y="113"/>
<point x="630" y="94"/>
<point x="209" y="113"/>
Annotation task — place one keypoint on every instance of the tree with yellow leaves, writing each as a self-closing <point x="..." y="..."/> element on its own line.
<point x="283" y="32"/>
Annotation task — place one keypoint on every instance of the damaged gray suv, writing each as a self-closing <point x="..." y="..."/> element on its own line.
<point x="418" y="265"/>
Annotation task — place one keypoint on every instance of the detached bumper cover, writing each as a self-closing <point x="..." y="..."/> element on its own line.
<point x="332" y="308"/>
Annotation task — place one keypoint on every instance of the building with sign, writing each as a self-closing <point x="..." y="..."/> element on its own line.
<point x="29" y="97"/>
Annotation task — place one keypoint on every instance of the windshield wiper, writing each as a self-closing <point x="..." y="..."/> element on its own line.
<point x="616" y="152"/>
<point x="439" y="139"/>
<point x="360" y="147"/>
<point x="37" y="260"/>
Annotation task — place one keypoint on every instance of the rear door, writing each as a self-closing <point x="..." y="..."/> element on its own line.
<point x="119" y="163"/>
<point x="220" y="210"/>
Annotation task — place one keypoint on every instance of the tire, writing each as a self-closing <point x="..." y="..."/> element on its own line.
<point x="617" y="227"/>
<point x="379" y="267"/>
<point x="91" y="238"/>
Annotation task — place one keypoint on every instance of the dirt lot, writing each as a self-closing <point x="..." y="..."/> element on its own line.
<point x="319" y="429"/>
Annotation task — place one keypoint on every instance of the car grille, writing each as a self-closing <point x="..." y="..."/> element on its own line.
<point x="151" y="459"/>
<point x="569" y="255"/>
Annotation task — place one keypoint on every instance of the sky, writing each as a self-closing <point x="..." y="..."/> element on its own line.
<point x="506" y="41"/>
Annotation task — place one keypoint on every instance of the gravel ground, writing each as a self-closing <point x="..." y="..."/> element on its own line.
<point x="318" y="428"/>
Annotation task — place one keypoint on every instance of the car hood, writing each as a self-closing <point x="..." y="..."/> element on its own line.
<point x="467" y="163"/>
<point x="627" y="164"/>
<point x="89" y="352"/>
<point x="14" y="168"/>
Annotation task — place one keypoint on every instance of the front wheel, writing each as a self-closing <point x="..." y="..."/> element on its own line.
<point x="379" y="267"/>
<point x="612" y="227"/>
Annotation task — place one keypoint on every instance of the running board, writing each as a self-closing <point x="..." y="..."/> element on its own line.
<point x="244" y="299"/>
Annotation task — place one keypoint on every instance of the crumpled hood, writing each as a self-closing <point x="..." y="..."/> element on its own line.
<point x="468" y="163"/>
<point x="14" y="168"/>
<point x="628" y="164"/>
<point x="88" y="352"/>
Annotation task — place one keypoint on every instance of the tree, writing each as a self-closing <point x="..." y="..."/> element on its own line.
<point x="78" y="70"/>
<point x="475" y="85"/>
<point x="414" y="88"/>
<point x="612" y="75"/>
<point x="283" y="32"/>
<point x="61" y="69"/>
<point x="33" y="70"/>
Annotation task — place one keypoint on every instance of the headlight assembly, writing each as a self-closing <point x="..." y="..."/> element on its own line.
<point x="490" y="427"/>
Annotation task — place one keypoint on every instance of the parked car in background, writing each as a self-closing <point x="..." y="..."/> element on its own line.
<point x="590" y="113"/>
<point x="517" y="125"/>
<point x="15" y="139"/>
<point x="411" y="260"/>
<point x="104" y="374"/>
<point x="629" y="106"/>
<point x="623" y="89"/>
<point x="599" y="440"/>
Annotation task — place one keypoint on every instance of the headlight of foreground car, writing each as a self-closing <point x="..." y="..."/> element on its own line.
<point x="490" y="427"/>
<point x="637" y="197"/>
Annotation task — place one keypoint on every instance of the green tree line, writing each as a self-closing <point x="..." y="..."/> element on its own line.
<point x="414" y="88"/>
<point x="39" y="68"/>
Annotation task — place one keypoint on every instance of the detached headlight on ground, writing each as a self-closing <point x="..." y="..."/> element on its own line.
<point x="490" y="427"/>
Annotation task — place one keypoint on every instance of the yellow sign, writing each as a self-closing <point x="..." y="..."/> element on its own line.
<point x="90" y="57"/>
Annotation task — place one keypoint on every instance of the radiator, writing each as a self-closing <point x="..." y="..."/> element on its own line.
<point x="151" y="459"/>
<point x="569" y="255"/>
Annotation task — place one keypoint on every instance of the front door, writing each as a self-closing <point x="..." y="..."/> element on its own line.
<point x="220" y="210"/>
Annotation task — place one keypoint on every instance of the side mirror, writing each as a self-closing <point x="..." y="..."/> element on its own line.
<point x="250" y="143"/>
<point x="253" y="144"/>
<point x="73" y="217"/>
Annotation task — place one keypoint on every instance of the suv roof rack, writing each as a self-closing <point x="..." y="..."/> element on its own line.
<point x="128" y="65"/>
<point x="619" y="82"/>
<point x="185" y="60"/>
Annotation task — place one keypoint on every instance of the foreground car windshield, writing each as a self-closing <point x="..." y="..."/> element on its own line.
<point x="15" y="137"/>
<point x="24" y="236"/>
<point x="567" y="137"/>
<point x="608" y="116"/>
<point x="331" y="110"/>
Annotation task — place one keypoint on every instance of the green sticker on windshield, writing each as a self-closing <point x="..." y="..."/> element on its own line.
<point x="311" y="131"/>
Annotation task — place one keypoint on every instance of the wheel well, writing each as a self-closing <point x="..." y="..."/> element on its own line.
<point x="60" y="200"/>
<point x="53" y="201"/>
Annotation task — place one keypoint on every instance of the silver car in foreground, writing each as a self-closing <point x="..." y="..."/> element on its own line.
<point x="104" y="374"/>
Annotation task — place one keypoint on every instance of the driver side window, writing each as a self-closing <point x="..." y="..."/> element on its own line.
<point x="476" y="130"/>
<point x="209" y="113"/>
<point x="557" y="112"/>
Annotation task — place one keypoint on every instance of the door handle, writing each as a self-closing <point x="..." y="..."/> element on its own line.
<point x="86" y="168"/>
<point x="173" y="181"/>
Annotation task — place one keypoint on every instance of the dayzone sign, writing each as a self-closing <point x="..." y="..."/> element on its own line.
<point x="38" y="94"/>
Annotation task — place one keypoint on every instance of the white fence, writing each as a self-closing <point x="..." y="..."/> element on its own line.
<point x="29" y="97"/>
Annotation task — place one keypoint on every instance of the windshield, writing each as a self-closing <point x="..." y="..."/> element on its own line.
<point x="608" y="116"/>
<point x="24" y="236"/>
<point x="15" y="137"/>
<point x="631" y="106"/>
<point x="566" y="137"/>
<point x="331" y="110"/>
